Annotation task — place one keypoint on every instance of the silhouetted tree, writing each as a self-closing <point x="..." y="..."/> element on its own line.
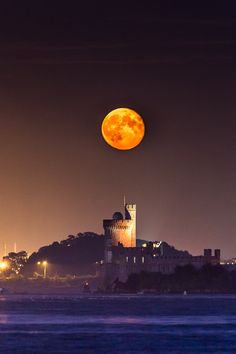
<point x="213" y="278"/>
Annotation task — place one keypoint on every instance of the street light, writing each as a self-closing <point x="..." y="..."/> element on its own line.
<point x="44" y="264"/>
<point x="3" y="265"/>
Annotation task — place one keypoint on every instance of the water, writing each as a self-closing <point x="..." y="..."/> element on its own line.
<point x="117" y="324"/>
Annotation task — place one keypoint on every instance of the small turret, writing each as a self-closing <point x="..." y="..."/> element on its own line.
<point x="130" y="214"/>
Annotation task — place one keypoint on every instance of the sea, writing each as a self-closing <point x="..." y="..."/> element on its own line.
<point x="117" y="324"/>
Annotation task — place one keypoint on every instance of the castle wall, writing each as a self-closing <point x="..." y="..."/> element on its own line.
<point x="135" y="260"/>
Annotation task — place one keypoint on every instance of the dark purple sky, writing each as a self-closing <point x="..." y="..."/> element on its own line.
<point x="63" y="68"/>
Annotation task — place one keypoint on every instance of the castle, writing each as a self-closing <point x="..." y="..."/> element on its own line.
<point x="122" y="257"/>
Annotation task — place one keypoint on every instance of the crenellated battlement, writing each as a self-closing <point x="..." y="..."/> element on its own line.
<point x="130" y="206"/>
<point x="113" y="225"/>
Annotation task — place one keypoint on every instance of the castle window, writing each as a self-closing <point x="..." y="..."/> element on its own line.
<point x="134" y="259"/>
<point x="143" y="259"/>
<point x="127" y="259"/>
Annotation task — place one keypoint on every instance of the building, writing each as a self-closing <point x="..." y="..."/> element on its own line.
<point x="229" y="264"/>
<point x="122" y="257"/>
<point x="120" y="230"/>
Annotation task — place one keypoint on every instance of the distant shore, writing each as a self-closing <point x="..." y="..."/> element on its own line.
<point x="44" y="287"/>
<point x="29" y="287"/>
<point x="185" y="280"/>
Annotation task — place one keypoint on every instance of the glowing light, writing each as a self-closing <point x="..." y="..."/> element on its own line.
<point x="3" y="265"/>
<point x="157" y="244"/>
<point x="123" y="129"/>
<point x="44" y="264"/>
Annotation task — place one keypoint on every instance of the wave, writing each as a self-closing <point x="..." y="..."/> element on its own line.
<point x="25" y="319"/>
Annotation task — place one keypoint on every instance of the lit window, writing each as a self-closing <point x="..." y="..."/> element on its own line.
<point x="142" y="259"/>
<point x="127" y="259"/>
<point x="134" y="259"/>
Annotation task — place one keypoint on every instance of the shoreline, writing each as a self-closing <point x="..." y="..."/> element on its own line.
<point x="77" y="292"/>
<point x="76" y="287"/>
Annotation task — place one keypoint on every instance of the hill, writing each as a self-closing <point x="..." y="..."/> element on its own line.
<point x="76" y="255"/>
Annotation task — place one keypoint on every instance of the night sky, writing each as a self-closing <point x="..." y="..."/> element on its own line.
<point x="63" y="68"/>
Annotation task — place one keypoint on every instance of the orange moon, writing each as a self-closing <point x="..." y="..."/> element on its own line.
<point x="123" y="129"/>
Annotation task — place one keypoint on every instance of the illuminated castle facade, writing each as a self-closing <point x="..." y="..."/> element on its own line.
<point x="120" y="230"/>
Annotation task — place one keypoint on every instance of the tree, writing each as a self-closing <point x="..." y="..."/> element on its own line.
<point x="16" y="261"/>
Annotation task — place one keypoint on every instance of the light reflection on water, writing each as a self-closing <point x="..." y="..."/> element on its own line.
<point x="4" y="318"/>
<point x="117" y="324"/>
<point x="18" y="319"/>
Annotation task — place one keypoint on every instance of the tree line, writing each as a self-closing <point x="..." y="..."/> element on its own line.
<point x="210" y="278"/>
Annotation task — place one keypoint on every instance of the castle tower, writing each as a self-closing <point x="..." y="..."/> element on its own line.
<point x="118" y="230"/>
<point x="121" y="230"/>
<point x="130" y="214"/>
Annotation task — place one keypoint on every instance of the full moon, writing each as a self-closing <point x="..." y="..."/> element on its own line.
<point x="123" y="128"/>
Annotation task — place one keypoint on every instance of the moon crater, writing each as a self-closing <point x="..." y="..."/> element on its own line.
<point x="123" y="128"/>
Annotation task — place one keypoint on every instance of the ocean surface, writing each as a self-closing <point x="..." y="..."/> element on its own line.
<point x="117" y="324"/>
